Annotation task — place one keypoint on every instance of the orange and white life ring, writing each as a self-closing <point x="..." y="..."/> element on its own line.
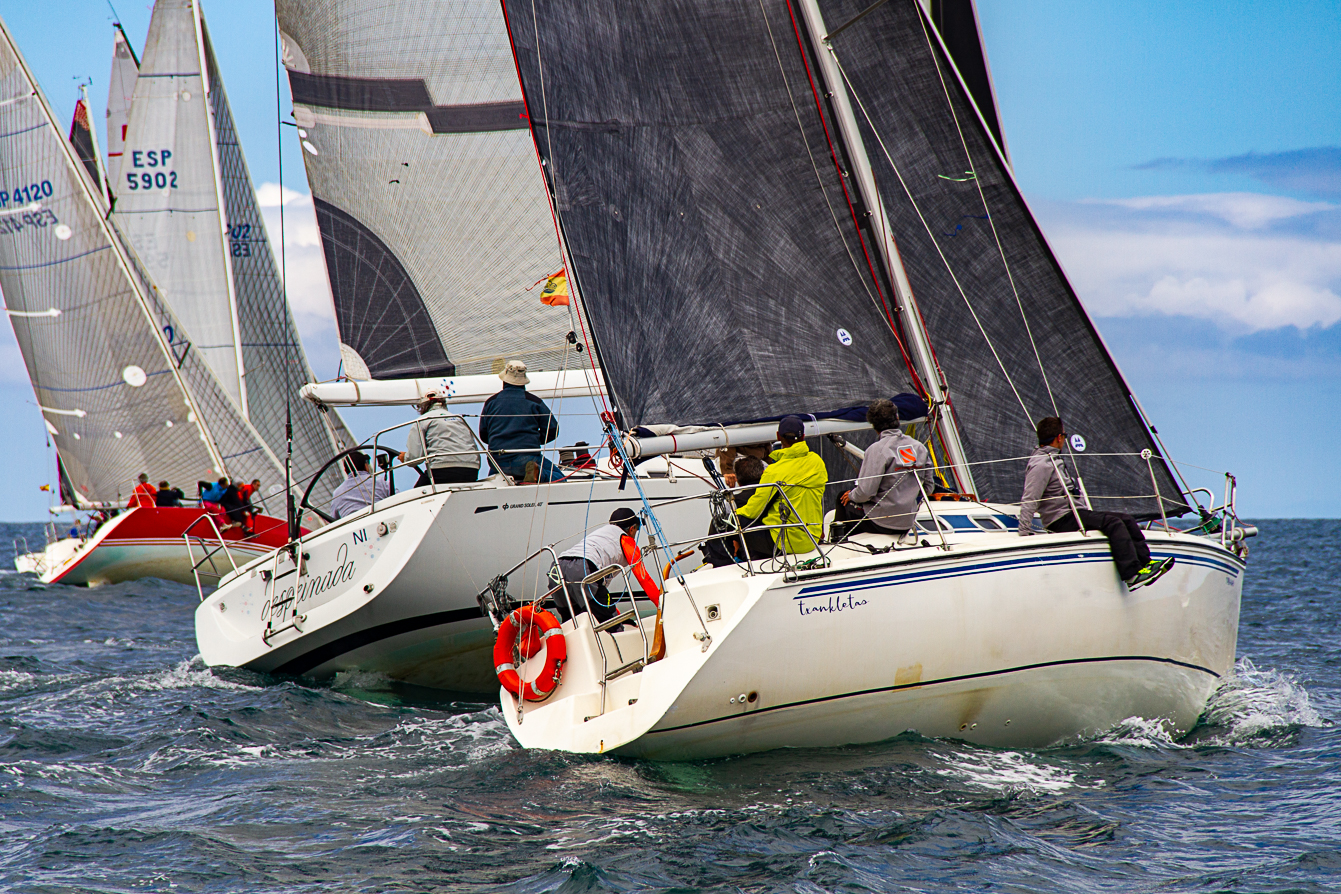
<point x="535" y="627"/>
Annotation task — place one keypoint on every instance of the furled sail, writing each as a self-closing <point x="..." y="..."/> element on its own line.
<point x="709" y="228"/>
<point x="111" y="368"/>
<point x="1009" y="331"/>
<point x="121" y="86"/>
<point x="688" y="152"/>
<point x="432" y="216"/>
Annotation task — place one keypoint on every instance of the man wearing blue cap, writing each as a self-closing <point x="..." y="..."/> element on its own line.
<point x="803" y="476"/>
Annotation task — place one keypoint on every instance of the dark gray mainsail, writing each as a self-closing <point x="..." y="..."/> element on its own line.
<point x="432" y="217"/>
<point x="707" y="224"/>
<point x="1010" y="333"/>
<point x="688" y="159"/>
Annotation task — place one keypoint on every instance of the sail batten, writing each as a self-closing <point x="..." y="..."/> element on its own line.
<point x="433" y="218"/>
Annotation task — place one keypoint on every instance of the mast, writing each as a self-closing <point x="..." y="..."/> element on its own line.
<point x="223" y="218"/>
<point x="119" y="252"/>
<point x="920" y="342"/>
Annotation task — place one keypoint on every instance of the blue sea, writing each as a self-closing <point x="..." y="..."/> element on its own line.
<point x="127" y="766"/>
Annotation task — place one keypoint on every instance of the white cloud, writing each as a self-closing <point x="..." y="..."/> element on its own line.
<point x="1246" y="210"/>
<point x="304" y="262"/>
<point x="1158" y="254"/>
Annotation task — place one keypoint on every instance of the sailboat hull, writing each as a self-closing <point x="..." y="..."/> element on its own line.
<point x="1001" y="642"/>
<point x="146" y="542"/>
<point x="393" y="591"/>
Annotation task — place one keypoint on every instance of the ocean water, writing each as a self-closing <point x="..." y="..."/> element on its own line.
<point x="127" y="766"/>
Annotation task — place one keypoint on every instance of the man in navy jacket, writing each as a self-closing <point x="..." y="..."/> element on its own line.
<point x="516" y="420"/>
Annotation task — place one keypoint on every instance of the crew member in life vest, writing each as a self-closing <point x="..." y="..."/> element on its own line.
<point x="612" y="544"/>
<point x="143" y="495"/>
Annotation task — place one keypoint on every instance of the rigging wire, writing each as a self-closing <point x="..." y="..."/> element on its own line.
<point x="290" y="504"/>
<point x="833" y="154"/>
<point x="932" y="236"/>
<point x="991" y="220"/>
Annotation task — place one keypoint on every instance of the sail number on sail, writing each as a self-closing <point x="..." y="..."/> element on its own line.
<point x="25" y="195"/>
<point x="15" y="223"/>
<point x="239" y="240"/>
<point x="151" y="158"/>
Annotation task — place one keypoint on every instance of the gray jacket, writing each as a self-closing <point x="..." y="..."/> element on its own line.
<point x="442" y="433"/>
<point x="1044" y="492"/>
<point x="886" y="489"/>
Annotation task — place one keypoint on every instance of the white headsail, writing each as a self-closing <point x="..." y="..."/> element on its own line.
<point x="111" y="367"/>
<point x="121" y="85"/>
<point x="432" y="216"/>
<point x="168" y="199"/>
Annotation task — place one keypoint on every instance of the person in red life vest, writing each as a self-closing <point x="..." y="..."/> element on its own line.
<point x="250" y="496"/>
<point x="143" y="495"/>
<point x="612" y="544"/>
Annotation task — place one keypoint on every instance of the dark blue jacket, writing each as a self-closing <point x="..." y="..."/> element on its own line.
<point x="515" y="419"/>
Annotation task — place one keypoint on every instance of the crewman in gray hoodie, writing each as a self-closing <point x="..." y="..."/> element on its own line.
<point x="885" y="497"/>
<point x="444" y="442"/>
<point x="1046" y="489"/>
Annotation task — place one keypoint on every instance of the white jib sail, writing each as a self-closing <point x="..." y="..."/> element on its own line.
<point x="121" y="85"/>
<point x="168" y="200"/>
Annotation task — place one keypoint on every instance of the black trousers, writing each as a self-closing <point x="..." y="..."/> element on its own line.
<point x="854" y="521"/>
<point x="449" y="475"/>
<point x="601" y="603"/>
<point x="728" y="550"/>
<point x="1125" y="539"/>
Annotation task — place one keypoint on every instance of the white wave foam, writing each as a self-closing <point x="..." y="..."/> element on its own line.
<point x="1253" y="702"/>
<point x="1007" y="772"/>
<point x="361" y="681"/>
<point x="1138" y="732"/>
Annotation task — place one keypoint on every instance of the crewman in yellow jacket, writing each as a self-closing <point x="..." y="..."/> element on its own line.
<point x="803" y="476"/>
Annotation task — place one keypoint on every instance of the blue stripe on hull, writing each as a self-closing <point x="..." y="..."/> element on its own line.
<point x="930" y="574"/>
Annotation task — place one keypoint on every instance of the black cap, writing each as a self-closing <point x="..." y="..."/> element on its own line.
<point x="624" y="517"/>
<point x="792" y="425"/>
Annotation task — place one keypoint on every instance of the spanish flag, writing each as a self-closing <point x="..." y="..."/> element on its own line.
<point x="45" y="487"/>
<point x="555" y="292"/>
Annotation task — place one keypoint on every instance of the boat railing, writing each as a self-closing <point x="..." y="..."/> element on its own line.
<point x="496" y="602"/>
<point x="211" y="543"/>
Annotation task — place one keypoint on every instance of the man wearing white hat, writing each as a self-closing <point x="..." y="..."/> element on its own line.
<point x="515" y="424"/>
<point x="443" y="442"/>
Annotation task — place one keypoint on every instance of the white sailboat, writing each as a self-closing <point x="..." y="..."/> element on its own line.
<point x="187" y="205"/>
<point x="435" y="227"/>
<point x="116" y="384"/>
<point x="773" y="148"/>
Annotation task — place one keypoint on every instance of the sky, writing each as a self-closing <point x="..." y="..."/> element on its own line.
<point x="1184" y="160"/>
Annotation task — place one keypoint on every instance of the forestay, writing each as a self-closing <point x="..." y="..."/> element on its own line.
<point x="709" y="230"/>
<point x="433" y="218"/>
<point x="119" y="393"/>
<point x="1009" y="331"/>
<point x="272" y="355"/>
